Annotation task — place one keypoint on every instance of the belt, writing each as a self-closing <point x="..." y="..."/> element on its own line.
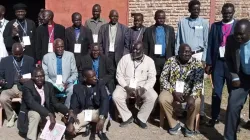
<point x="198" y="51"/>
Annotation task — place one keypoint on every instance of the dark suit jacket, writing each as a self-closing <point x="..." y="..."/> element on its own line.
<point x="42" y="39"/>
<point x="100" y="99"/>
<point x="106" y="70"/>
<point x="8" y="71"/>
<point x="121" y="41"/>
<point x="31" y="100"/>
<point x="131" y="35"/>
<point x="9" y="40"/>
<point x="214" y="41"/>
<point x="85" y="39"/>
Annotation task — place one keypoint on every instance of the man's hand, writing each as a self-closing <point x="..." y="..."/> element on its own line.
<point x="14" y="31"/>
<point x="72" y="115"/>
<point x="203" y="64"/>
<point x="99" y="125"/>
<point x="2" y="82"/>
<point x="70" y="129"/>
<point x="208" y="70"/>
<point x="23" y="80"/>
<point x="178" y="97"/>
<point x="140" y="91"/>
<point x="65" y="85"/>
<point x="52" y="121"/>
<point x="236" y="83"/>
<point x="130" y="91"/>
<point x="190" y="103"/>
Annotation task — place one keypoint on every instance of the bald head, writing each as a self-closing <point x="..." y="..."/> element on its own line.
<point x="17" y="47"/>
<point x="17" y="51"/>
<point x="242" y="31"/>
<point x="59" y="47"/>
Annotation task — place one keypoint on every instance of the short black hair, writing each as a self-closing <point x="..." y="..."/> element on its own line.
<point x="192" y="3"/>
<point x="158" y="12"/>
<point x="20" y="6"/>
<point x="227" y="5"/>
<point x="76" y="13"/>
<point x="16" y="45"/>
<point x="36" y="69"/>
<point x="85" y="70"/>
<point x="97" y="5"/>
<point x="139" y="14"/>
<point x="244" y="21"/>
<point x="50" y="13"/>
<point x="94" y="44"/>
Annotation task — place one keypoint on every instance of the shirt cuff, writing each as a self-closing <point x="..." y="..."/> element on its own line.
<point x="236" y="79"/>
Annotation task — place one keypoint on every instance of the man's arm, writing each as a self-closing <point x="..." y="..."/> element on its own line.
<point x="178" y="37"/>
<point x="74" y="104"/>
<point x="198" y="79"/>
<point x="46" y="70"/>
<point x="205" y="39"/>
<point x="126" y="40"/>
<point x="9" y="40"/>
<point x="145" y="41"/>
<point x="89" y="36"/>
<point x="2" y="71"/>
<point x="151" y="75"/>
<point x="165" y="77"/>
<point x="100" y="33"/>
<point x="209" y="46"/>
<point x="104" y="106"/>
<point x="120" y="72"/>
<point x="38" y="44"/>
<point x="74" y="73"/>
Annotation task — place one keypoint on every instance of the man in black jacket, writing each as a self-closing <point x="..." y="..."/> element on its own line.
<point x="91" y="104"/>
<point x="38" y="103"/>
<point x="14" y="71"/>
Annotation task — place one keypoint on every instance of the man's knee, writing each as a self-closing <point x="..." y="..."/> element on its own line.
<point x="117" y="94"/>
<point x="4" y="97"/>
<point x="164" y="97"/>
<point x="151" y="95"/>
<point x="35" y="116"/>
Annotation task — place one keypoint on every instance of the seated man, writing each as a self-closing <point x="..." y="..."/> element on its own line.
<point x="60" y="69"/>
<point x="91" y="104"/>
<point x="14" y="71"/>
<point x="38" y="103"/>
<point x="101" y="64"/>
<point x="181" y="81"/>
<point x="136" y="75"/>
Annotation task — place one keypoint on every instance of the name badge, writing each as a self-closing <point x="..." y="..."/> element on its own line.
<point x="77" y="48"/>
<point x="222" y="51"/>
<point x="158" y="49"/>
<point x="26" y="40"/>
<point x="50" y="47"/>
<point x="95" y="38"/>
<point x="87" y="115"/>
<point x="179" y="86"/>
<point x="111" y="47"/>
<point x="198" y="27"/>
<point x="133" y="83"/>
<point x="27" y="76"/>
<point x="59" y="79"/>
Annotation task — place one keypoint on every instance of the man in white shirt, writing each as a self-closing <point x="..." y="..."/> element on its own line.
<point x="3" y="22"/>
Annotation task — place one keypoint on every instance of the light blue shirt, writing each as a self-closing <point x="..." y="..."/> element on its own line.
<point x="95" y="66"/>
<point x="161" y="38"/>
<point x="245" y="57"/>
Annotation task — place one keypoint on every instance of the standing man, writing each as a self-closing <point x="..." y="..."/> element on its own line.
<point x="159" y="43"/>
<point x="46" y="34"/>
<point x="20" y="30"/>
<point x="78" y="38"/>
<point x="3" y="23"/>
<point x="114" y="38"/>
<point x="215" y="61"/>
<point x="95" y="22"/>
<point x="237" y="58"/>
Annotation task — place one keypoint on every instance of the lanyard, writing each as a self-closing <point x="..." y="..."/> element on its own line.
<point x="138" y="36"/>
<point x="51" y="35"/>
<point x="23" y="28"/>
<point x="135" y="67"/>
<point x="18" y="69"/>
<point x="77" y="36"/>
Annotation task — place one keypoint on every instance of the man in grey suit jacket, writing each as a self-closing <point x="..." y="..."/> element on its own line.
<point x="60" y="69"/>
<point x="113" y="37"/>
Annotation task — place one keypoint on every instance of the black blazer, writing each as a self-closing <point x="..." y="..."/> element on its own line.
<point x="8" y="71"/>
<point x="9" y="40"/>
<point x="143" y="29"/>
<point x="42" y="39"/>
<point x="85" y="39"/>
<point x="78" y="99"/>
<point x="31" y="100"/>
<point x="106" y="70"/>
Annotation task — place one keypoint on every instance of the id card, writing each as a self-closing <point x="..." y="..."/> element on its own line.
<point x="26" y="40"/>
<point x="27" y="76"/>
<point x="59" y="79"/>
<point x="50" y="47"/>
<point x="179" y="86"/>
<point x="77" y="48"/>
<point x="95" y="38"/>
<point x="198" y="27"/>
<point x="158" y="49"/>
<point x="133" y="83"/>
<point x="112" y="47"/>
<point x="222" y="51"/>
<point x="87" y="115"/>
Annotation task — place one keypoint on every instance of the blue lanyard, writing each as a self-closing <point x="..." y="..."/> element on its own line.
<point x="18" y="69"/>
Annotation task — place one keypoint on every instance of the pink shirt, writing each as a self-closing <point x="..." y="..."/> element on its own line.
<point x="41" y="93"/>
<point x="226" y="29"/>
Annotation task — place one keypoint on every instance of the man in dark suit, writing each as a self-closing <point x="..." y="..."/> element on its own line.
<point x="78" y="37"/>
<point x="14" y="71"/>
<point x="38" y="102"/>
<point x="215" y="61"/>
<point x="237" y="58"/>
<point x="159" y="42"/>
<point x="114" y="38"/>
<point x="20" y="30"/>
<point x="91" y="104"/>
<point x="46" y="34"/>
<point x="101" y="64"/>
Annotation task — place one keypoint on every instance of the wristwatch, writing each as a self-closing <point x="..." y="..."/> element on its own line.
<point x="101" y="117"/>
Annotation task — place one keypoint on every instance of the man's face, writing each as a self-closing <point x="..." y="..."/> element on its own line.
<point x="40" y="18"/>
<point x="138" y="21"/>
<point x="39" y="78"/>
<point x="18" y="54"/>
<point x="240" y="34"/>
<point x="160" y="18"/>
<point x="195" y="11"/>
<point x="96" y="11"/>
<point x="90" y="78"/>
<point x="113" y="17"/>
<point x="46" y="18"/>
<point x="20" y="14"/>
<point x="77" y="20"/>
<point x="59" y="48"/>
<point x="95" y="52"/>
<point x="185" y="53"/>
<point x="2" y="11"/>
<point x="137" y="51"/>
<point x="227" y="14"/>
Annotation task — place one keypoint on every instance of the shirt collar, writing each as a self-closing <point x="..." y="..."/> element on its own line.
<point x="2" y="20"/>
<point x="189" y="61"/>
<point x="247" y="43"/>
<point x="232" y="21"/>
<point x="98" y="20"/>
<point x="38" y="88"/>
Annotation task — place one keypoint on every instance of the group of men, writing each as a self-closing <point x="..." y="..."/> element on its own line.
<point x="100" y="59"/>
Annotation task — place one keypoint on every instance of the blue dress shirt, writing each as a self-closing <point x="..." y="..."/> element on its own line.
<point x="161" y="38"/>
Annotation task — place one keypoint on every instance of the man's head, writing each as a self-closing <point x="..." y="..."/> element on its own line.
<point x="184" y="53"/>
<point x="194" y="8"/>
<point x="40" y="17"/>
<point x="48" y="16"/>
<point x="17" y="51"/>
<point x="2" y="11"/>
<point x="59" y="47"/>
<point x="77" y="19"/>
<point x="95" y="50"/>
<point x="20" y="11"/>
<point x="138" y="20"/>
<point x="89" y="77"/>
<point x="242" y="31"/>
<point x="113" y="16"/>
<point x="137" y="51"/>
<point x="38" y="77"/>
<point x="96" y="11"/>
<point x="227" y="12"/>
<point x="160" y="17"/>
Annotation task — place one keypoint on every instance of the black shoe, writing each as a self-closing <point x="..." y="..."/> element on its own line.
<point x="126" y="123"/>
<point x="247" y="125"/>
<point x="202" y="120"/>
<point x="103" y="136"/>
<point x="87" y="132"/>
<point x="92" y="137"/>
<point x="141" y="124"/>
<point x="212" y="122"/>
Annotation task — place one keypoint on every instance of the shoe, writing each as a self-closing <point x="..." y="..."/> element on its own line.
<point x="126" y="123"/>
<point x="11" y="122"/>
<point x="212" y="122"/>
<point x="141" y="124"/>
<point x="87" y="132"/>
<point x="247" y="125"/>
<point x="188" y="133"/>
<point x="175" y="130"/>
<point x="238" y="129"/>
<point x="92" y="137"/>
<point x="103" y="136"/>
<point x="202" y="120"/>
